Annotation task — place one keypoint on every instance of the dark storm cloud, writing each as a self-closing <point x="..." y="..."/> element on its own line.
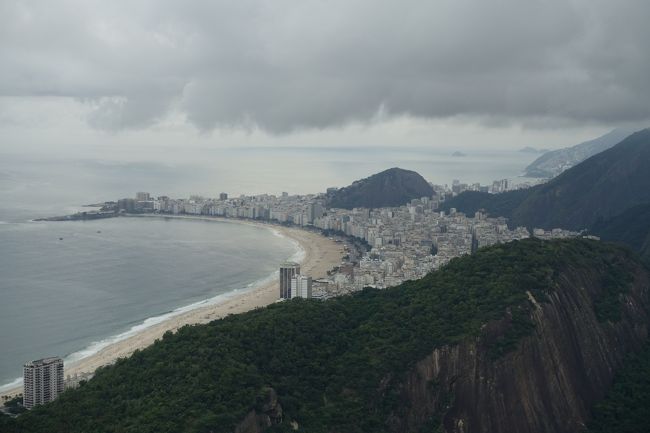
<point x="287" y="65"/>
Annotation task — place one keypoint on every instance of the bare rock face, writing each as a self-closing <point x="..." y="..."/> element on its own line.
<point x="547" y="384"/>
<point x="268" y="413"/>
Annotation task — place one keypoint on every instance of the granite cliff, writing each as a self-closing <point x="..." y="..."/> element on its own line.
<point x="549" y="383"/>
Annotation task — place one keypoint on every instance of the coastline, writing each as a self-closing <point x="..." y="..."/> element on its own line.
<point x="319" y="255"/>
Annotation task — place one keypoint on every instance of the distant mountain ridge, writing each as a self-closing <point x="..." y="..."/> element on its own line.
<point x="593" y="194"/>
<point x="390" y="188"/>
<point x="553" y="163"/>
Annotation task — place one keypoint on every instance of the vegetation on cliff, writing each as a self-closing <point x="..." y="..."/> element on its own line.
<point x="392" y="187"/>
<point x="627" y="406"/>
<point x="336" y="365"/>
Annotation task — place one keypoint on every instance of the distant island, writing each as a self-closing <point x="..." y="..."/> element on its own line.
<point x="529" y="149"/>
<point x="458" y="154"/>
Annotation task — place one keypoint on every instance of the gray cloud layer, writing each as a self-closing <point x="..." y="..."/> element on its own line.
<point x="287" y="65"/>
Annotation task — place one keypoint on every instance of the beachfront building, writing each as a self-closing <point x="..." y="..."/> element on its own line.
<point x="288" y="270"/>
<point x="43" y="381"/>
<point x="301" y="286"/>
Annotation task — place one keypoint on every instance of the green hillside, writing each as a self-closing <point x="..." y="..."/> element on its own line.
<point x="631" y="228"/>
<point x="392" y="187"/>
<point x="335" y="365"/>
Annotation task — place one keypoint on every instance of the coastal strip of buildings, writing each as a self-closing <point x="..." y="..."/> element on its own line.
<point x="400" y="243"/>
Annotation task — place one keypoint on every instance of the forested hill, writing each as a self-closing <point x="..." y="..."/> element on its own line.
<point x="632" y="228"/>
<point x="392" y="187"/>
<point x="599" y="189"/>
<point x="497" y="329"/>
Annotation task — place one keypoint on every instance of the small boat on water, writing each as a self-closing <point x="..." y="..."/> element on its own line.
<point x="60" y="239"/>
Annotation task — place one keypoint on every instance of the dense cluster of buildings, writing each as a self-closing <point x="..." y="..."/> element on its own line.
<point x="498" y="186"/>
<point x="404" y="243"/>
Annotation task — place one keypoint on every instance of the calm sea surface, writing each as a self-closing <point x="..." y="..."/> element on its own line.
<point x="70" y="296"/>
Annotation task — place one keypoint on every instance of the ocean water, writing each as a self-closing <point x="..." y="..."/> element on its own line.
<point x="108" y="278"/>
<point x="36" y="184"/>
<point x="105" y="279"/>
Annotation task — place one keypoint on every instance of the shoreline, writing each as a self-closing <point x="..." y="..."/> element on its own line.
<point x="319" y="255"/>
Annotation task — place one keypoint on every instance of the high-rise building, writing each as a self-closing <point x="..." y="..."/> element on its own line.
<point x="223" y="196"/>
<point x="314" y="210"/>
<point x="288" y="270"/>
<point x="142" y="196"/>
<point x="126" y="204"/>
<point x="43" y="381"/>
<point x="301" y="286"/>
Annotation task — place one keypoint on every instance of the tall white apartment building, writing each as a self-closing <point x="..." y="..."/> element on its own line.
<point x="301" y="286"/>
<point x="43" y="381"/>
<point x="288" y="270"/>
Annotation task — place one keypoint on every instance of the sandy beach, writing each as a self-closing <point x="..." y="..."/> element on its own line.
<point x="320" y="255"/>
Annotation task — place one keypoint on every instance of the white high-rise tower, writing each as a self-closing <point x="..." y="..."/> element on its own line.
<point x="301" y="286"/>
<point x="43" y="381"/>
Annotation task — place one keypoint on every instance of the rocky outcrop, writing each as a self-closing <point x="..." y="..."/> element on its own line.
<point x="547" y="384"/>
<point x="267" y="413"/>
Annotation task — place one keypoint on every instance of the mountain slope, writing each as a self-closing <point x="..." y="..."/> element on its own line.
<point x="518" y="337"/>
<point x="601" y="187"/>
<point x="554" y="162"/>
<point x="631" y="228"/>
<point x="392" y="187"/>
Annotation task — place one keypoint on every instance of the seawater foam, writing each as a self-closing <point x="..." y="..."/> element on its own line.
<point x="11" y="385"/>
<point x="299" y="255"/>
<point x="97" y="346"/>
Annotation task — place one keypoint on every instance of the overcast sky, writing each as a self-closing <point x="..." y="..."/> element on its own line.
<point x="164" y="74"/>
